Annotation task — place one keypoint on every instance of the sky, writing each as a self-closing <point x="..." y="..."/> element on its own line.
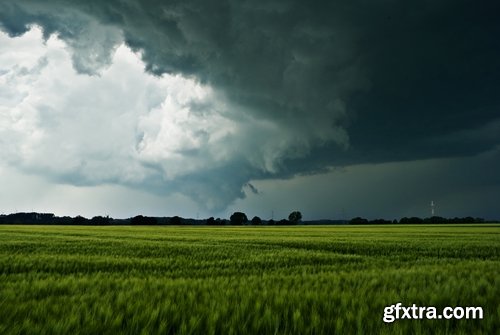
<point x="202" y="108"/>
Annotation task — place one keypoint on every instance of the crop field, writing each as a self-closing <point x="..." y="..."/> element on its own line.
<point x="245" y="280"/>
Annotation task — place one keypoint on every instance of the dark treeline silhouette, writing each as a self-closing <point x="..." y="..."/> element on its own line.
<point x="49" y="218"/>
<point x="236" y="219"/>
<point x="417" y="220"/>
<point x="143" y="220"/>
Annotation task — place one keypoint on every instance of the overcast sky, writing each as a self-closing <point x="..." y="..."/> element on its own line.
<point x="199" y="108"/>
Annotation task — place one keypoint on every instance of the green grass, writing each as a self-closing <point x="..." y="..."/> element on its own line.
<point x="245" y="280"/>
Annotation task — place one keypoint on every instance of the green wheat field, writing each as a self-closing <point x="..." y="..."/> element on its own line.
<point x="245" y="280"/>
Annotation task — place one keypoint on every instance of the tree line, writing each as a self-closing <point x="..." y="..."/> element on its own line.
<point x="417" y="220"/>
<point x="236" y="219"/>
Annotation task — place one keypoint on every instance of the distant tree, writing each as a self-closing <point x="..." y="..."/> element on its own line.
<point x="143" y="220"/>
<point x="412" y="220"/>
<point x="211" y="221"/>
<point x="80" y="220"/>
<point x="256" y="221"/>
<point x="271" y="222"/>
<point x="358" y="220"/>
<point x="100" y="220"/>
<point x="176" y="220"/>
<point x="136" y="220"/>
<point x="238" y="218"/>
<point x="64" y="220"/>
<point x="416" y="220"/>
<point x="435" y="219"/>
<point x="295" y="217"/>
<point x="283" y="222"/>
<point x="380" y="221"/>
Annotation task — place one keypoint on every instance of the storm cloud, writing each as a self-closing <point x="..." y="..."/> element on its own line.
<point x="279" y="88"/>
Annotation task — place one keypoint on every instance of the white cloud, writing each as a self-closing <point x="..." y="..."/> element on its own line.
<point x="125" y="126"/>
<point x="99" y="128"/>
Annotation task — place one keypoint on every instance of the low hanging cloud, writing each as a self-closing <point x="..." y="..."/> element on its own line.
<point x="203" y="97"/>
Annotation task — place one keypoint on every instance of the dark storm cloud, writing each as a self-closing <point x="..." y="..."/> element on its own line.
<point x="404" y="80"/>
<point x="93" y="46"/>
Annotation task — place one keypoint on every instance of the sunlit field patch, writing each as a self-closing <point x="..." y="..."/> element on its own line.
<point x="245" y="280"/>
